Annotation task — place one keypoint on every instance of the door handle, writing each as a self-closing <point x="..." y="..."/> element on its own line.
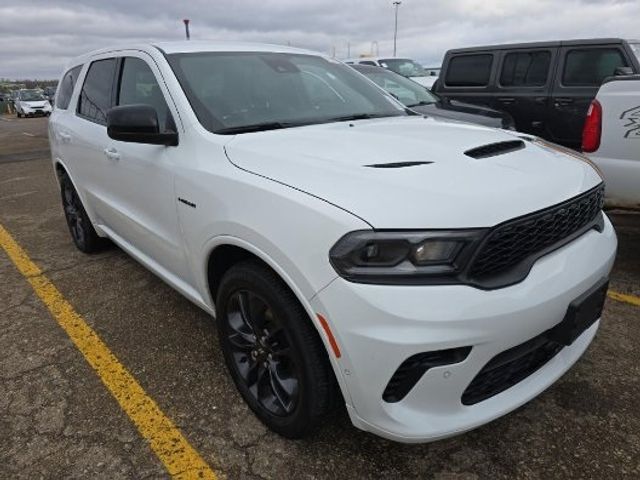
<point x="65" y="137"/>
<point x="506" y="100"/>
<point x="112" y="153"/>
<point x="562" y="102"/>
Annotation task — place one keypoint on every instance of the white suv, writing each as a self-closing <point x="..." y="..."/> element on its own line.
<point x="430" y="276"/>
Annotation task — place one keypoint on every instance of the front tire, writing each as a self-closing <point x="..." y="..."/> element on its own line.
<point x="81" y="229"/>
<point x="274" y="354"/>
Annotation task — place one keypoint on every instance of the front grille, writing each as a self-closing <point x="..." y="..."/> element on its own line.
<point x="510" y="367"/>
<point x="531" y="236"/>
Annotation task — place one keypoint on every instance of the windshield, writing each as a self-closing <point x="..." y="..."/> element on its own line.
<point x="31" y="95"/>
<point x="404" y="66"/>
<point x="636" y="49"/>
<point x="238" y="92"/>
<point x="407" y="91"/>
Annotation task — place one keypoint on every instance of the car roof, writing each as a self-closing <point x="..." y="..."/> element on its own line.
<point x="554" y="43"/>
<point x="192" y="46"/>
<point x="375" y="59"/>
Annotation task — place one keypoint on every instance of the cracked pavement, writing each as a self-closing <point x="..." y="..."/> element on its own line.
<point x="57" y="420"/>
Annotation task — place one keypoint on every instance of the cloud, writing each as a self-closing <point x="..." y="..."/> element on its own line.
<point x="39" y="37"/>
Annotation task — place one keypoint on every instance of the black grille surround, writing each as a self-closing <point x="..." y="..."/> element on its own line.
<point x="414" y="367"/>
<point x="508" y="251"/>
<point x="509" y="368"/>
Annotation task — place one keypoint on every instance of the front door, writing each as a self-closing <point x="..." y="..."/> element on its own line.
<point x="141" y="175"/>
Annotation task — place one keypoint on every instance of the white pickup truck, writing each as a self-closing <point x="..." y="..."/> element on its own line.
<point x="611" y="139"/>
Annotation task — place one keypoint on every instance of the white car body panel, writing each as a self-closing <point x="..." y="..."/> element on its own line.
<point x="288" y="195"/>
<point x="619" y="153"/>
<point x="337" y="171"/>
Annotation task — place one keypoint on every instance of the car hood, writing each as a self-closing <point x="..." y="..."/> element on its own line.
<point x="331" y="161"/>
<point x="464" y="112"/>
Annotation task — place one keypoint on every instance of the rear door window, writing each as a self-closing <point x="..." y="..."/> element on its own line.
<point x="525" y="69"/>
<point x="588" y="67"/>
<point x="469" y="70"/>
<point x="96" y="95"/>
<point x="65" y="89"/>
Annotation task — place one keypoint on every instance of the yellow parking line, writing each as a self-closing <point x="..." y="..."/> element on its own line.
<point x="623" y="297"/>
<point x="181" y="460"/>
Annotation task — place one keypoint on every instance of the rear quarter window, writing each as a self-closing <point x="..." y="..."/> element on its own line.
<point x="635" y="48"/>
<point x="65" y="89"/>
<point x="469" y="70"/>
<point x="588" y="67"/>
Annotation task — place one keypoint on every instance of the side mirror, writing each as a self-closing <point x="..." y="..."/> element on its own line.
<point x="138" y="124"/>
<point x="621" y="71"/>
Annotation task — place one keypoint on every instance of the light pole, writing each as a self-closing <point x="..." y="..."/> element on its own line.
<point x="395" y="28"/>
<point x="186" y="28"/>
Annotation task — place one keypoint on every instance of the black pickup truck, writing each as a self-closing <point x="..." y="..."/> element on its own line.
<point x="547" y="86"/>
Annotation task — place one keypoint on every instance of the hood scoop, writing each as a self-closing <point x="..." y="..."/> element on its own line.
<point x="397" y="164"/>
<point x="494" y="149"/>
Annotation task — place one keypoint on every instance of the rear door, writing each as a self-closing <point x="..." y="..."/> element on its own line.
<point x="580" y="73"/>
<point x="524" y="87"/>
<point x="469" y="77"/>
<point x="85" y="137"/>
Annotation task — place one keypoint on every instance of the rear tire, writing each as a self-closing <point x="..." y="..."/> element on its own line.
<point x="81" y="229"/>
<point x="274" y="354"/>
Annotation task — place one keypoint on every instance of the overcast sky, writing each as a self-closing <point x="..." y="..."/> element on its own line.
<point x="38" y="37"/>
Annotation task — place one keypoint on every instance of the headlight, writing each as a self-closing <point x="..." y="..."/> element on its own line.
<point x="404" y="257"/>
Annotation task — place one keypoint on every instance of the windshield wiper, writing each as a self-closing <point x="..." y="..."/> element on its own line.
<point x="420" y="103"/>
<point x="257" y="127"/>
<point x="358" y="116"/>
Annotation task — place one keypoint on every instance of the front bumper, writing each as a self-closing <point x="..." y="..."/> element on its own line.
<point x="377" y="327"/>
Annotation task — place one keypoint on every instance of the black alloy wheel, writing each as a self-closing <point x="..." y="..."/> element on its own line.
<point x="82" y="232"/>
<point x="262" y="352"/>
<point x="274" y="353"/>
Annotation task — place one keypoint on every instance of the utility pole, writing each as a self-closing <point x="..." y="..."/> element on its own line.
<point x="348" y="49"/>
<point x="396" y="4"/>
<point x="186" y="28"/>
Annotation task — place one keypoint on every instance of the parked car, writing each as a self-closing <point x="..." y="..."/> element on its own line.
<point x="420" y="99"/>
<point x="547" y="87"/>
<point x="611" y="138"/>
<point x="29" y="103"/>
<point x="350" y="249"/>
<point x="402" y="66"/>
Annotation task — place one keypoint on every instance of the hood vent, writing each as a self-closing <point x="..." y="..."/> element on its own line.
<point x="494" y="149"/>
<point x="397" y="164"/>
